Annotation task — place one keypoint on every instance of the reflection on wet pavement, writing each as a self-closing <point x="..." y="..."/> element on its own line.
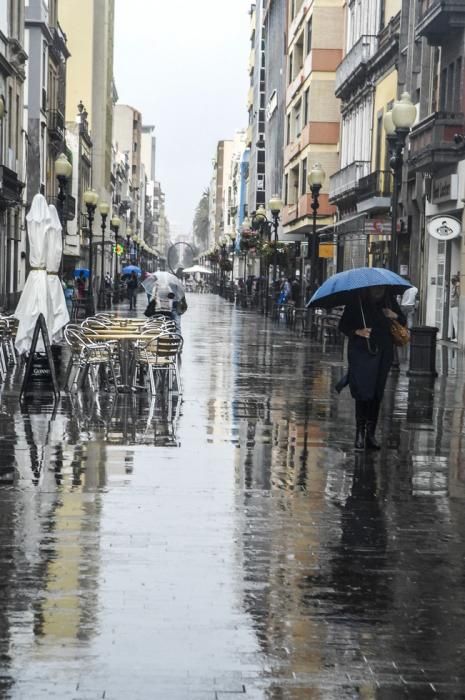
<point x="233" y="545"/>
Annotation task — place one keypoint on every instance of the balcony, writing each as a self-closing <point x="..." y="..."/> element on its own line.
<point x="432" y="144"/>
<point x="438" y="18"/>
<point x="344" y="183"/>
<point x="56" y="125"/>
<point x="69" y="206"/>
<point x="10" y="188"/>
<point x="353" y="66"/>
<point x="374" y="191"/>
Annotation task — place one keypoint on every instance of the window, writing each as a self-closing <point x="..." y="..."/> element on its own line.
<point x="458" y="86"/>
<point x="289" y="80"/>
<point x="443" y="91"/>
<point x="288" y="130"/>
<point x="379" y="137"/>
<point x="309" y="36"/>
<point x="286" y="189"/>
<point x="297" y="120"/>
<point x="306" y="105"/>
<point x="450" y="87"/>
<point x="435" y="81"/>
<point x="303" y="180"/>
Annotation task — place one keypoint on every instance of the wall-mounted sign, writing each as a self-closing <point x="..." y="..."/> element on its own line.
<point x="326" y="250"/>
<point x="444" y="228"/>
<point x="444" y="189"/>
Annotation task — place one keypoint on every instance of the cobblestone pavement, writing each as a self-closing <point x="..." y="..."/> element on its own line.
<point x="234" y="546"/>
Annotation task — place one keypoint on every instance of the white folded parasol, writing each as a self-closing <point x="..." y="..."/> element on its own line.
<point x="58" y="312"/>
<point x="35" y="296"/>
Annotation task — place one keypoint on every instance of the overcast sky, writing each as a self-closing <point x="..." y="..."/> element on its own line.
<point x="183" y="64"/>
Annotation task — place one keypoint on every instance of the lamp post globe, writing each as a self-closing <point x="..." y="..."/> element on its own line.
<point x="404" y="112"/>
<point x="316" y="176"/>
<point x="90" y="198"/>
<point x="275" y="204"/>
<point x="63" y="168"/>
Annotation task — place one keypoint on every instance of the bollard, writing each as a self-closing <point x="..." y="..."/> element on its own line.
<point x="423" y="352"/>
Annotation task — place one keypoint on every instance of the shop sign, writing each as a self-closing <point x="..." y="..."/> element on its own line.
<point x="445" y="189"/>
<point x="444" y="228"/>
<point x="326" y="250"/>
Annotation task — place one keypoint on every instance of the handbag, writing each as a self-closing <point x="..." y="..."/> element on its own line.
<point x="181" y="306"/>
<point x="150" y="310"/>
<point x="400" y="334"/>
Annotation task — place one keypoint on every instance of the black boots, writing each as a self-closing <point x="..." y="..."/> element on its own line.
<point x="365" y="437"/>
<point x="370" y="440"/>
<point x="360" y="436"/>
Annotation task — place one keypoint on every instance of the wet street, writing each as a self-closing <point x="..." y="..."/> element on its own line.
<point x="234" y="545"/>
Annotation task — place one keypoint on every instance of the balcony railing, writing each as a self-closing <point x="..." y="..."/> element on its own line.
<point x="376" y="184"/>
<point x="56" y="125"/>
<point x="10" y="187"/>
<point x="345" y="181"/>
<point x="432" y="143"/>
<point x="439" y="17"/>
<point x="354" y="63"/>
<point x="69" y="206"/>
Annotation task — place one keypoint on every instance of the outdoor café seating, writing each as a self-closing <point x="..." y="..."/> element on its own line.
<point x="120" y="353"/>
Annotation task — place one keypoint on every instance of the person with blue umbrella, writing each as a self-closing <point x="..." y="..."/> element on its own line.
<point x="371" y="320"/>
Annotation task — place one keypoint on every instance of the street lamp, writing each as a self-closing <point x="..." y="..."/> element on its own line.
<point x="104" y="209"/>
<point x="90" y="198"/>
<point x="63" y="171"/>
<point x="315" y="179"/>
<point x="269" y="228"/>
<point x="115" y="224"/>
<point x="397" y="125"/>
<point x="128" y="245"/>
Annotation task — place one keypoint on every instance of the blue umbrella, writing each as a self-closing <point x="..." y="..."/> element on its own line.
<point x="84" y="272"/>
<point x="340" y="289"/>
<point x="129" y="269"/>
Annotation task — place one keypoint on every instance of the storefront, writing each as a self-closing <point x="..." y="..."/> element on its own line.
<point x="443" y="291"/>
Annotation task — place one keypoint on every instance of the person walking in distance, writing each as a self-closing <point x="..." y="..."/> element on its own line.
<point x="132" y="285"/>
<point x="407" y="305"/>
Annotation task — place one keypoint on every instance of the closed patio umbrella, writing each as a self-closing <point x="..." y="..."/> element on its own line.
<point x="35" y="296"/>
<point x="58" y="313"/>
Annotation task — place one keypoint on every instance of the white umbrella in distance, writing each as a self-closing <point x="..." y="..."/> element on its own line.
<point x="35" y="296"/>
<point x="164" y="279"/>
<point x="197" y="268"/>
<point x="58" y="312"/>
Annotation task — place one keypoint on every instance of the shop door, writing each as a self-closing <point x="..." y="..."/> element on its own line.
<point x="443" y="288"/>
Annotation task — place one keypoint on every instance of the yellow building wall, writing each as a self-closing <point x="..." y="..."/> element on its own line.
<point x="385" y="93"/>
<point x="76" y="20"/>
<point x="391" y="8"/>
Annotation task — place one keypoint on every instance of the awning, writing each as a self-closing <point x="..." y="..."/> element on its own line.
<point x="334" y="228"/>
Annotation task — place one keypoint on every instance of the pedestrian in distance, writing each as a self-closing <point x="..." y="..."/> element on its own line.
<point x="367" y="322"/>
<point x="408" y="304"/>
<point x="131" y="286"/>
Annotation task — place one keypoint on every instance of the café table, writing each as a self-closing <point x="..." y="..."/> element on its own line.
<point x="125" y="340"/>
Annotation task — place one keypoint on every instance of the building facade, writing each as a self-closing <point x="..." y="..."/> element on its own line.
<point x="12" y="153"/>
<point x="255" y="139"/>
<point x="275" y="22"/>
<point x="367" y="85"/>
<point x="311" y="132"/>
<point x="432" y="68"/>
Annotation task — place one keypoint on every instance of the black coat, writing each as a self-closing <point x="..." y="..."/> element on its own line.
<point x="369" y="363"/>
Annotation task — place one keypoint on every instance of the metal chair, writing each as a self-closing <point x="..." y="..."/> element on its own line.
<point x="88" y="357"/>
<point x="161" y="357"/>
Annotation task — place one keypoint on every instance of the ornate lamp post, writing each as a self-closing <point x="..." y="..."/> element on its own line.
<point x="90" y="198"/>
<point x="115" y="224"/>
<point x="397" y="125"/>
<point x="128" y="245"/>
<point x="104" y="209"/>
<point x="316" y="178"/>
<point x="63" y="172"/>
<point x="269" y="229"/>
